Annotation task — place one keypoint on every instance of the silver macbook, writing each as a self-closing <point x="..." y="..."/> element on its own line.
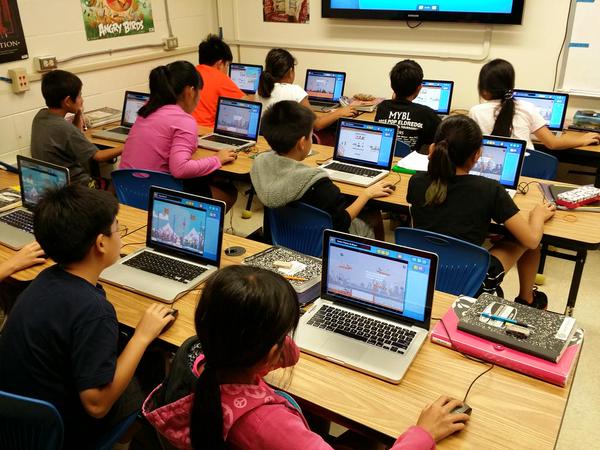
<point x="35" y="177"/>
<point x="245" y="76"/>
<point x="324" y="89"/>
<point x="183" y="246"/>
<point x="437" y="94"/>
<point x="363" y="152"/>
<point x="131" y="104"/>
<point x="236" y="125"/>
<point x="375" y="305"/>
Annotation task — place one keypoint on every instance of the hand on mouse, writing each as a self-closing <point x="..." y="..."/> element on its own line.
<point x="226" y="156"/>
<point x="380" y="189"/>
<point x="28" y="256"/>
<point x="439" y="421"/>
<point x="155" y="318"/>
<point x="591" y="138"/>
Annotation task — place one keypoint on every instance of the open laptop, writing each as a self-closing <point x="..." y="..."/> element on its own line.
<point x="363" y="152"/>
<point x="501" y="160"/>
<point x="131" y="104"/>
<point x="551" y="105"/>
<point x="437" y="94"/>
<point x="236" y="125"/>
<point x="35" y="178"/>
<point x="324" y="89"/>
<point x="375" y="306"/>
<point x="245" y="76"/>
<point x="183" y="246"/>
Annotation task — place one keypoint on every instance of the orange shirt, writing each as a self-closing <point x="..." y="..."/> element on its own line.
<point x="216" y="84"/>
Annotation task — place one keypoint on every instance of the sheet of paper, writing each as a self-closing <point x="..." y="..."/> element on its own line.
<point x="414" y="161"/>
<point x="297" y="267"/>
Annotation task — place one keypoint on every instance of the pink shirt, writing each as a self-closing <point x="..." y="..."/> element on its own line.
<point x="165" y="142"/>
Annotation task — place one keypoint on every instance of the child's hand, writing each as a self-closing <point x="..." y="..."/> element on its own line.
<point x="28" y="256"/>
<point x="546" y="211"/>
<point x="226" y="156"/>
<point x="591" y="138"/>
<point x="155" y="318"/>
<point x="380" y="189"/>
<point x="346" y="111"/>
<point x="438" y="420"/>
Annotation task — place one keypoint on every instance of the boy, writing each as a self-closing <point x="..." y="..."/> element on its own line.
<point x="55" y="140"/>
<point x="214" y="57"/>
<point x="416" y="123"/>
<point x="60" y="340"/>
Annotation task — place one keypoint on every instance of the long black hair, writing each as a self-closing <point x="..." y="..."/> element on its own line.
<point x="242" y="313"/>
<point x="277" y="63"/>
<point x="168" y="82"/>
<point x="497" y="78"/>
<point x="456" y="140"/>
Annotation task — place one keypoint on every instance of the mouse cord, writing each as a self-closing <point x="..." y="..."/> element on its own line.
<point x="399" y="179"/>
<point x="131" y="232"/>
<point x="133" y="243"/>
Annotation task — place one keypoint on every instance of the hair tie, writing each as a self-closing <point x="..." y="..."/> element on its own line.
<point x="509" y="94"/>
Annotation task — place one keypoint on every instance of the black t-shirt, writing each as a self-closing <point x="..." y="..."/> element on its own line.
<point x="327" y="196"/>
<point x="416" y="123"/>
<point x="471" y="203"/>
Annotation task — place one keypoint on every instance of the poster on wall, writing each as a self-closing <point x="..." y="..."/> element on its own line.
<point x="105" y="19"/>
<point x="293" y="11"/>
<point x="12" y="38"/>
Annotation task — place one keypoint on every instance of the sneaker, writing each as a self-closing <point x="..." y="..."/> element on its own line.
<point x="540" y="300"/>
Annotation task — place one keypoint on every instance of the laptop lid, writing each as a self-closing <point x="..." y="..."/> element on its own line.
<point x="551" y="105"/>
<point x="36" y="177"/>
<point x="245" y="76"/>
<point x="394" y="281"/>
<point x="324" y="85"/>
<point x="131" y="104"/>
<point x="501" y="160"/>
<point x="185" y="225"/>
<point x="437" y="94"/>
<point x="368" y="144"/>
<point x="238" y="118"/>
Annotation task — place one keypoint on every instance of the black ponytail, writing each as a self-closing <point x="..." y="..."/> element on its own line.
<point x="277" y="63"/>
<point x="497" y="80"/>
<point x="207" y="411"/>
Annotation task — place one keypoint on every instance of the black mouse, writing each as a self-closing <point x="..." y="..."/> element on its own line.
<point x="174" y="312"/>
<point x="464" y="409"/>
<point x="391" y="186"/>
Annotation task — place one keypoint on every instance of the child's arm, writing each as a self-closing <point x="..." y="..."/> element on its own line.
<point x="373" y="191"/>
<point x="28" y="256"/>
<point x="529" y="232"/>
<point x="108" y="154"/>
<point x="572" y="140"/>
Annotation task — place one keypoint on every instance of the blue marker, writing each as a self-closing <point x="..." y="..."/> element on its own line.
<point x="505" y="319"/>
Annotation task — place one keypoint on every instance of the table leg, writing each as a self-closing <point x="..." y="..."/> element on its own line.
<point x="543" y="255"/>
<point x="576" y="281"/>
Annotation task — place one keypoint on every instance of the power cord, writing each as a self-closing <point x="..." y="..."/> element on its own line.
<point x="562" y="47"/>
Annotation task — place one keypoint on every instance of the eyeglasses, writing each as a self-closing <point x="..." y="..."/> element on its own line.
<point x="121" y="229"/>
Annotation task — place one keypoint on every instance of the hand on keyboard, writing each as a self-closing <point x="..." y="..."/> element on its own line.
<point x="226" y="156"/>
<point x="379" y="189"/>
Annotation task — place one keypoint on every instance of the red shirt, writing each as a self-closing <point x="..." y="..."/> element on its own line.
<point x="216" y="84"/>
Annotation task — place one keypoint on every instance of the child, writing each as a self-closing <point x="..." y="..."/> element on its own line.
<point x="448" y="200"/>
<point x="60" y="340"/>
<point x="279" y="177"/>
<point x="214" y="57"/>
<point x="165" y="136"/>
<point x="57" y="141"/>
<point x="416" y="123"/>
<point x="501" y="115"/>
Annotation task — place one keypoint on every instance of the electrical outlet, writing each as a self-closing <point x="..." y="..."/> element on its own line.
<point x="170" y="43"/>
<point x="45" y="63"/>
<point x="20" y="81"/>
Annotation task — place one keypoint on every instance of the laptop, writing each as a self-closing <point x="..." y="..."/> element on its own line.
<point x="35" y="178"/>
<point x="437" y="94"/>
<point x="501" y="160"/>
<point x="551" y="105"/>
<point x="236" y="125"/>
<point x="375" y="306"/>
<point x="324" y="89"/>
<point x="183" y="246"/>
<point x="131" y="104"/>
<point x="245" y="76"/>
<point x="363" y="152"/>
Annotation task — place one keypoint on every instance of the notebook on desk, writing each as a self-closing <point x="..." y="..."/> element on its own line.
<point x="437" y="94"/>
<point x="375" y="306"/>
<point x="324" y="89"/>
<point x="183" y="246"/>
<point x="132" y="103"/>
<point x="245" y="76"/>
<point x="551" y="105"/>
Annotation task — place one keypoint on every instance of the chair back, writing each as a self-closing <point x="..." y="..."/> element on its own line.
<point x="298" y="226"/>
<point x="462" y="266"/>
<point x="402" y="149"/>
<point x="133" y="185"/>
<point x="539" y="165"/>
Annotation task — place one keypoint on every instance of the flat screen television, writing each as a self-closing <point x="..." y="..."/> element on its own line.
<point x="480" y="11"/>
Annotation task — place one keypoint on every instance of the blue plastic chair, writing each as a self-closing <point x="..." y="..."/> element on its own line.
<point x="538" y="164"/>
<point x="108" y="441"/>
<point x="133" y="185"/>
<point x="462" y="266"/>
<point x="401" y="150"/>
<point x="298" y="226"/>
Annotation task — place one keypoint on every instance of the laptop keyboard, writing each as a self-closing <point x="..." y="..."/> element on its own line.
<point x="366" y="329"/>
<point x="20" y="219"/>
<point x="323" y="104"/>
<point x="354" y="170"/>
<point x="120" y="130"/>
<point x="166" y="267"/>
<point x="224" y="140"/>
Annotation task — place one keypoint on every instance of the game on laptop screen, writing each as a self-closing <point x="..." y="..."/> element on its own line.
<point x="437" y="95"/>
<point x="133" y="102"/>
<point x="552" y="106"/>
<point x="322" y="85"/>
<point x="500" y="161"/>
<point x="388" y="280"/>
<point x="365" y="143"/>
<point x="245" y="76"/>
<point x="188" y="226"/>
<point x="37" y="178"/>
<point x="238" y="117"/>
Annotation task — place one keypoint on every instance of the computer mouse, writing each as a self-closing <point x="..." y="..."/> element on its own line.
<point x="174" y="313"/>
<point x="464" y="409"/>
<point x="391" y="186"/>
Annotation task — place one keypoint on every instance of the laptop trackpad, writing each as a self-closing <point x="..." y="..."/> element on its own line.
<point x="343" y="348"/>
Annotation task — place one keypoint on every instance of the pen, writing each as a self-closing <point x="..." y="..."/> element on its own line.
<point x="505" y="319"/>
<point x="289" y="277"/>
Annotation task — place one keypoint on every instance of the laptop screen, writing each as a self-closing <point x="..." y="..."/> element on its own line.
<point x="501" y="160"/>
<point x="246" y="76"/>
<point x="368" y="144"/>
<point x="324" y="86"/>
<point x="238" y="118"/>
<point x="383" y="277"/>
<point x="36" y="177"/>
<point x="552" y="106"/>
<point x="436" y="94"/>
<point x="133" y="102"/>
<point x="186" y="224"/>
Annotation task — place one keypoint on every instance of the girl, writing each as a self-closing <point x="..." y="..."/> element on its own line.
<point x="448" y="200"/>
<point x="501" y="115"/>
<point x="165" y="135"/>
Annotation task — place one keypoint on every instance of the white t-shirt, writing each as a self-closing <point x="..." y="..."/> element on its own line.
<point x="283" y="91"/>
<point x="526" y="120"/>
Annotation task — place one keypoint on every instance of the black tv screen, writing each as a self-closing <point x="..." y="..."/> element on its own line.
<point x="481" y="11"/>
